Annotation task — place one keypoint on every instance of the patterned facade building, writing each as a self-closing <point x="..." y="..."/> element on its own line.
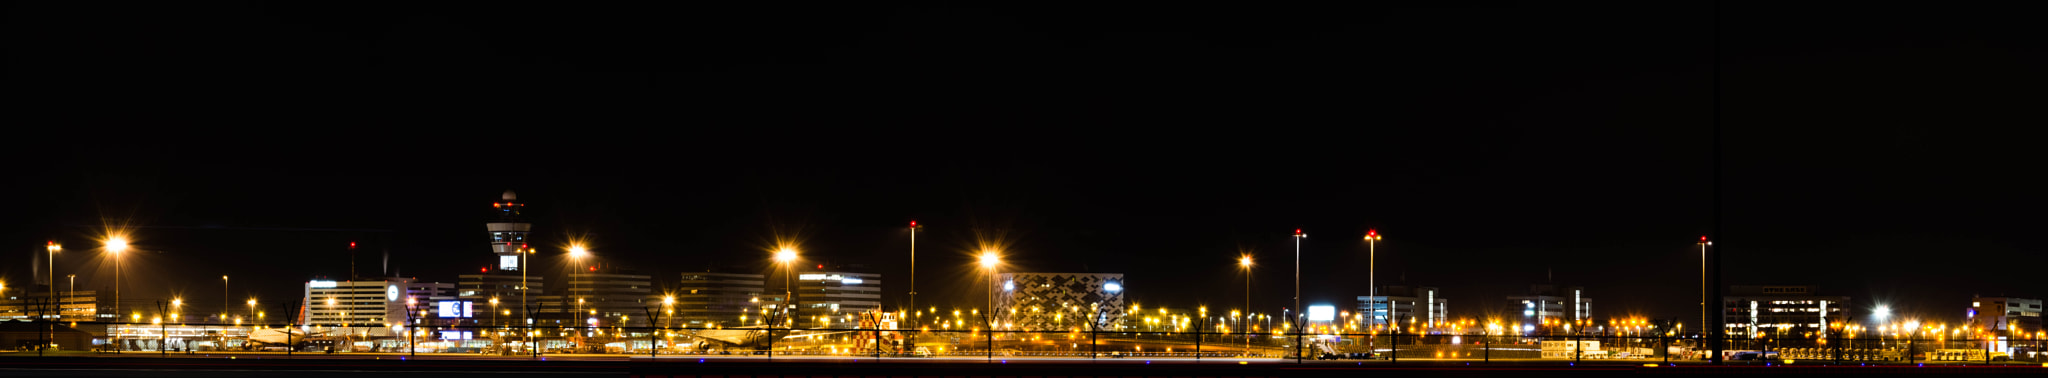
<point x="1059" y="301"/>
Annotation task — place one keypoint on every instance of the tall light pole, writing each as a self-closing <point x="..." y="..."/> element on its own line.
<point x="224" y="301"/>
<point x="116" y="245"/>
<point x="525" y="313"/>
<point x="989" y="261"/>
<point x="1372" y="242"/>
<point x="1298" y="235"/>
<point x="1245" y="261"/>
<point x="576" y="253"/>
<point x="51" y="338"/>
<point x="913" y="264"/>
<point x="786" y="256"/>
<point x="1703" y="281"/>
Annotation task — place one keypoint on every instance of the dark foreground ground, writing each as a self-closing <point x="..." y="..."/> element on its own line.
<point x="941" y="368"/>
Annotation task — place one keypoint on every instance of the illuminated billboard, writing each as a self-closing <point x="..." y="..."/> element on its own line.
<point x="455" y="309"/>
<point x="1322" y="313"/>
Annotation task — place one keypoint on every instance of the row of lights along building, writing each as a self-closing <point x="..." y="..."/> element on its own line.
<point x="605" y="295"/>
<point x="507" y="293"/>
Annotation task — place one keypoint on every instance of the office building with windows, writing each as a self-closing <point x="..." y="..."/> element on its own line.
<point x="835" y="298"/>
<point x="1550" y="304"/>
<point x="68" y="306"/>
<point x="714" y="299"/>
<point x="606" y="297"/>
<point x="1419" y="308"/>
<point x="2006" y="315"/>
<point x="1759" y="310"/>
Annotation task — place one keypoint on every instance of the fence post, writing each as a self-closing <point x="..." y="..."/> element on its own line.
<point x="1487" y="348"/>
<point x="1394" y="350"/>
<point x="991" y="317"/>
<point x="652" y="332"/>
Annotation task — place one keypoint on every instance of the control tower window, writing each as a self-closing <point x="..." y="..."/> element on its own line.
<point x="519" y="236"/>
<point x="497" y="237"/>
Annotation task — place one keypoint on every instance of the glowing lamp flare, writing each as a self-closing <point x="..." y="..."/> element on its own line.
<point x="785" y="255"/>
<point x="117" y="244"/>
<point x="989" y="259"/>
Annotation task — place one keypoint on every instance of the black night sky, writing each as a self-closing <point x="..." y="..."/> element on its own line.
<point x="1886" y="153"/>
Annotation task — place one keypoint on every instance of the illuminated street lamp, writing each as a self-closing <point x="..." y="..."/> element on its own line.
<point x="116" y="244"/>
<point x="1372" y="240"/>
<point x="51" y="337"/>
<point x="1703" y="278"/>
<point x="224" y="301"/>
<point x="989" y="261"/>
<point x="576" y="253"/>
<point x="1298" y="235"/>
<point x="1245" y="262"/>
<point x="668" y="306"/>
<point x="786" y="256"/>
<point x="913" y="264"/>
